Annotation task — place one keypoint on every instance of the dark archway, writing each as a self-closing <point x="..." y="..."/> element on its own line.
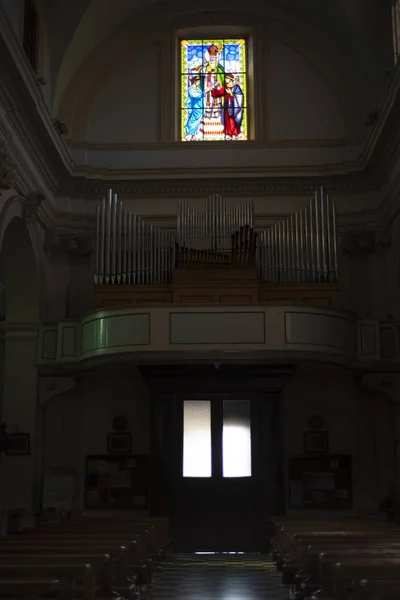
<point x="19" y="274"/>
<point x="20" y="327"/>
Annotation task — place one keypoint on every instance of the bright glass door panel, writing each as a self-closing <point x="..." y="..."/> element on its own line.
<point x="197" y="438"/>
<point x="236" y="439"/>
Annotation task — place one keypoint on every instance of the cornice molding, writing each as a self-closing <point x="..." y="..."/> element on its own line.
<point x="97" y="188"/>
<point x="269" y="143"/>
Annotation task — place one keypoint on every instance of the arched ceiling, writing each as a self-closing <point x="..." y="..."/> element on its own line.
<point x="75" y="28"/>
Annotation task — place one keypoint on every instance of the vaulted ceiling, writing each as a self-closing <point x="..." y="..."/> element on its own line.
<point x="359" y="29"/>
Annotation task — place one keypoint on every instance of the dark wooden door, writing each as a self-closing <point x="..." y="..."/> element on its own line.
<point x="218" y="513"/>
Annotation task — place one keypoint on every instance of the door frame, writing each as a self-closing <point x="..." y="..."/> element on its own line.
<point x="264" y="470"/>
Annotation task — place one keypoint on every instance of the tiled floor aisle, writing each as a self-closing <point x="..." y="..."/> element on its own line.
<point x="218" y="577"/>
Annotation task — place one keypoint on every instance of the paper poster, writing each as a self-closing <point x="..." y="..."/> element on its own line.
<point x="322" y="481"/>
<point x="59" y="488"/>
<point x="120" y="479"/>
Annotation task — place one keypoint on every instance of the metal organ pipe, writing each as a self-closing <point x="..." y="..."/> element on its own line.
<point x="303" y="247"/>
<point x="300" y="248"/>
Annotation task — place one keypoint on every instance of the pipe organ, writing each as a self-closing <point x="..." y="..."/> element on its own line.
<point x="211" y="228"/>
<point x="128" y="249"/>
<point x="301" y="248"/>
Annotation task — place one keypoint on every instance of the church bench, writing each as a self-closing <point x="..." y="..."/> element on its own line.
<point x="297" y="544"/>
<point x="150" y="538"/>
<point x="300" y="545"/>
<point x="70" y="576"/>
<point x="103" y="565"/>
<point x="376" y="589"/>
<point x="24" y="589"/>
<point x="320" y="559"/>
<point x="36" y="582"/>
<point x="128" y="562"/>
<point x="109" y="575"/>
<point x="348" y="581"/>
<point x="125" y="562"/>
<point x="157" y="529"/>
<point x="349" y="574"/>
<point x="137" y="548"/>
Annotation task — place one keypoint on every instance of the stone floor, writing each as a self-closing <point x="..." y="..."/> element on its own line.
<point x="218" y="577"/>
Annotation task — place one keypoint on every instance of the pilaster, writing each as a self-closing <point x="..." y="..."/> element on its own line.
<point x="17" y="473"/>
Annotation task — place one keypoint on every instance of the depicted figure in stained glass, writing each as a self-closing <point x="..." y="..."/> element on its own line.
<point x="196" y="99"/>
<point x="212" y="73"/>
<point x="213" y="107"/>
<point x="233" y="97"/>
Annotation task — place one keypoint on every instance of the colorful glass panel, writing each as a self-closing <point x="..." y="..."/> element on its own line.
<point x="213" y="90"/>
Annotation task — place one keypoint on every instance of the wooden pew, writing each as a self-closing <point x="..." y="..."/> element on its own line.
<point x="308" y="545"/>
<point x="66" y="576"/>
<point x="26" y="589"/>
<point x="56" y="548"/>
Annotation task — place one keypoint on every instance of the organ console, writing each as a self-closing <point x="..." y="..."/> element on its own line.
<point x="300" y="249"/>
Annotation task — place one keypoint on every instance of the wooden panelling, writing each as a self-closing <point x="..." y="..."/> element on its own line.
<point x="109" y="296"/>
<point x="323" y="295"/>
<point x="219" y="286"/>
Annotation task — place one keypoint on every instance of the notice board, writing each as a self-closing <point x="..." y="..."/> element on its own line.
<point x="320" y="482"/>
<point x="116" y="482"/>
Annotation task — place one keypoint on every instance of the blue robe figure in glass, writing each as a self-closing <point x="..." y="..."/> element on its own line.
<point x="195" y="105"/>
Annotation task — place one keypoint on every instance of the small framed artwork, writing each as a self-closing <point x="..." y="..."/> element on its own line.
<point x="18" y="444"/>
<point x="316" y="442"/>
<point x="119" y="443"/>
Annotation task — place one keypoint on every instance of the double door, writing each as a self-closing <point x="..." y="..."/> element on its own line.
<point x="220" y="467"/>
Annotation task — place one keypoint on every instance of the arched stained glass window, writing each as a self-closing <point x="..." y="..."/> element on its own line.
<point x="214" y="90"/>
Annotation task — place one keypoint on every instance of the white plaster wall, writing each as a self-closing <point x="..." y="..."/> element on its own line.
<point x="127" y="109"/>
<point x="358" y="422"/>
<point x="299" y="101"/>
<point x="77" y="424"/>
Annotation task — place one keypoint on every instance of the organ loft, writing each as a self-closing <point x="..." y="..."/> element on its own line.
<point x="199" y="299"/>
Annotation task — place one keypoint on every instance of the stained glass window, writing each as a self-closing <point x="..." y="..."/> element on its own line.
<point x="213" y="90"/>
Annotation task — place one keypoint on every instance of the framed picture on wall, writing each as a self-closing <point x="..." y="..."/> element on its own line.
<point x="119" y="443"/>
<point x="316" y="442"/>
<point x="18" y="444"/>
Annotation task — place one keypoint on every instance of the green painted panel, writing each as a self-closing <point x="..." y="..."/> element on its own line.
<point x="116" y="331"/>
<point x="89" y="336"/>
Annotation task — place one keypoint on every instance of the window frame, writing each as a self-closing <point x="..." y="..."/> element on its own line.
<point x="170" y="123"/>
